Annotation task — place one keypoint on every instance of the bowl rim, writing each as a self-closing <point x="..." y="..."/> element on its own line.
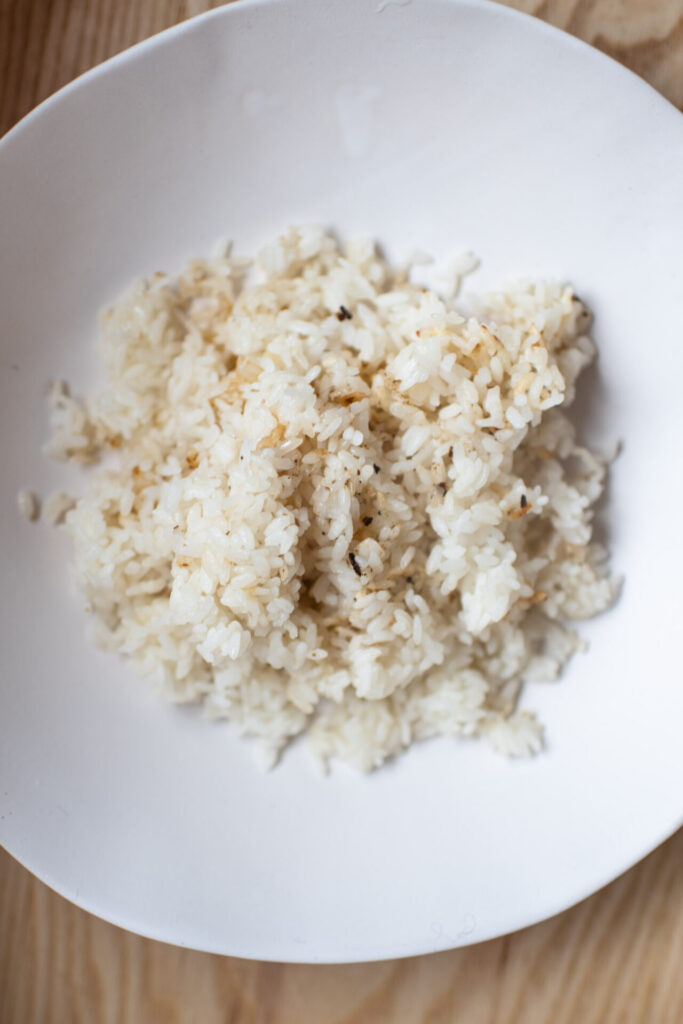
<point x="493" y="7"/>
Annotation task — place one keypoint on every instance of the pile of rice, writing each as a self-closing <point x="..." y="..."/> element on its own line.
<point x="328" y="502"/>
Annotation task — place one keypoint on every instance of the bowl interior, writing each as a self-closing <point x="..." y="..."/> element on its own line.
<point x="436" y="125"/>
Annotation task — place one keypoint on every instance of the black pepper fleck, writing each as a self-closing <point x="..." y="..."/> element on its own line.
<point x="375" y="467"/>
<point x="354" y="564"/>
<point x="344" y="314"/>
<point x="367" y="520"/>
<point x="523" y="501"/>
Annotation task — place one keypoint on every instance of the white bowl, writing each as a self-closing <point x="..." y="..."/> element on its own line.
<point x="442" y="125"/>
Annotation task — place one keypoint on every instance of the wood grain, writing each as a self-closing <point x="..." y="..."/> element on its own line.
<point x="615" y="959"/>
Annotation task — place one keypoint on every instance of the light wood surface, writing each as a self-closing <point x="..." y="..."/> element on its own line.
<point x="615" y="959"/>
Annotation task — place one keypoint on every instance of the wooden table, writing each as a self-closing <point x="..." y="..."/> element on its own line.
<point x="618" y="957"/>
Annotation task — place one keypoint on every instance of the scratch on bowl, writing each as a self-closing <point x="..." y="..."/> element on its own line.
<point x="391" y="3"/>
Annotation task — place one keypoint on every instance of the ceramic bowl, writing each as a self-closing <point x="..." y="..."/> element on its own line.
<point x="446" y="126"/>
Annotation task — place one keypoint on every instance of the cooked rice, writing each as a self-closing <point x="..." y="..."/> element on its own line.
<point x="328" y="502"/>
<point x="56" y="507"/>
<point x="28" y="505"/>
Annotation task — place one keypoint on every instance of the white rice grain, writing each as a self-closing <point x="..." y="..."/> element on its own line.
<point x="28" y="505"/>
